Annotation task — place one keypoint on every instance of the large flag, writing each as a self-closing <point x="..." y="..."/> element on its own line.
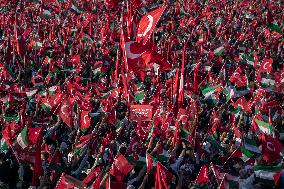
<point x="163" y="177"/>
<point x="268" y="173"/>
<point x="271" y="148"/>
<point x="148" y="23"/>
<point x="120" y="167"/>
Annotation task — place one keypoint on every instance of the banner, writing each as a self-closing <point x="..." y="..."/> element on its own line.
<point x="141" y="112"/>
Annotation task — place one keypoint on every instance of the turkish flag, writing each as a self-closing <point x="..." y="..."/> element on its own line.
<point x="65" y="113"/>
<point x="238" y="78"/>
<point x="203" y="175"/>
<point x="163" y="177"/>
<point x="271" y="148"/>
<point x="120" y="167"/>
<point x="55" y="100"/>
<point x="266" y="65"/>
<point x="85" y="120"/>
<point x="147" y="24"/>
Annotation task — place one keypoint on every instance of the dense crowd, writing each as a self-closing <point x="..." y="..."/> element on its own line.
<point x="212" y="72"/>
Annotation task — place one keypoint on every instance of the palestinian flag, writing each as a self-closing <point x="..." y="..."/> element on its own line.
<point x="136" y="160"/>
<point x="219" y="51"/>
<point x="267" y="83"/>
<point x="46" y="106"/>
<point x="229" y="182"/>
<point x="75" y="8"/>
<point x="163" y="156"/>
<point x="218" y="21"/>
<point x="151" y="131"/>
<point x="3" y="146"/>
<point x="274" y="27"/>
<point x="52" y="90"/>
<point x="31" y="93"/>
<point x="251" y="145"/>
<point x="118" y="126"/>
<point x="46" y="14"/>
<point x="201" y="38"/>
<point x="12" y="119"/>
<point x="243" y="154"/>
<point x="22" y="138"/>
<point x="210" y="93"/>
<point x="264" y="127"/>
<point x="241" y="91"/>
<point x="139" y="96"/>
<point x="237" y="112"/>
<point x="268" y="174"/>
<point x="250" y="59"/>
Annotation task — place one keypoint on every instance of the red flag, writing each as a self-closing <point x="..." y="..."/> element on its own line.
<point x="195" y="77"/>
<point x="266" y="65"/>
<point x="203" y="175"/>
<point x="96" y="183"/>
<point x="215" y="171"/>
<point x="75" y="59"/>
<point x="238" y="78"/>
<point x="149" y="163"/>
<point x="181" y="84"/>
<point x="115" y="185"/>
<point x="38" y="170"/>
<point x="270" y="148"/>
<point x="68" y="182"/>
<point x="65" y="113"/>
<point x="33" y="134"/>
<point x="120" y="167"/>
<point x="147" y="24"/>
<point x="242" y="102"/>
<point x="111" y="3"/>
<point x="163" y="177"/>
<point x="95" y="173"/>
<point x="85" y="120"/>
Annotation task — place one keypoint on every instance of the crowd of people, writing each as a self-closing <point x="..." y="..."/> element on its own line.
<point x="211" y="72"/>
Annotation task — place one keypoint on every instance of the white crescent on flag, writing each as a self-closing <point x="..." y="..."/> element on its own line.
<point x="63" y="107"/>
<point x="85" y="122"/>
<point x="270" y="146"/>
<point x="151" y="20"/>
<point x="129" y="53"/>
<point x="147" y="24"/>
<point x="266" y="65"/>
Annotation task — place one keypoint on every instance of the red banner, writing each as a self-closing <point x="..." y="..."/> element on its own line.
<point x="141" y="112"/>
